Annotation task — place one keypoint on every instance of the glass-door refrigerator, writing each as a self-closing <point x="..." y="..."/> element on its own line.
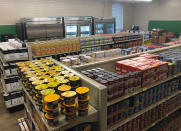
<point x="104" y="25"/>
<point x="78" y="26"/>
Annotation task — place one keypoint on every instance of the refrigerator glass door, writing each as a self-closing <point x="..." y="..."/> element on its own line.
<point x="71" y="31"/>
<point x="99" y="29"/>
<point x="85" y="30"/>
<point x="110" y="28"/>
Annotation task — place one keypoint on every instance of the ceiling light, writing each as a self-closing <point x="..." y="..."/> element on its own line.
<point x="133" y="0"/>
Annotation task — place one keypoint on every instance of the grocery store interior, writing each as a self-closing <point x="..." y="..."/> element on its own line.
<point x="90" y="65"/>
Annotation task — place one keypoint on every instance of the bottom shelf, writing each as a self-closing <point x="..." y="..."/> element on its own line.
<point x="159" y="120"/>
<point x="63" y="123"/>
<point x="36" y="126"/>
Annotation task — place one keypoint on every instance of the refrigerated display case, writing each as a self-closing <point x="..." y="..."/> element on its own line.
<point x="32" y="29"/>
<point x="78" y="26"/>
<point x="104" y="25"/>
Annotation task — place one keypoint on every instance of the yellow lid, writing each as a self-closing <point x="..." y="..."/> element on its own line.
<point x="50" y="79"/>
<point x="74" y="78"/>
<point x="63" y="81"/>
<point x="59" y="77"/>
<point x="37" y="82"/>
<point x="51" y="98"/>
<point x="64" y="88"/>
<point x="69" y="94"/>
<point x="73" y="105"/>
<point x="47" y="117"/>
<point x="46" y="108"/>
<point x="41" y="87"/>
<point x="53" y="84"/>
<point x="82" y="90"/>
<point x="47" y="92"/>
<point x="71" y="113"/>
<point x="88" y="97"/>
<point x="34" y="78"/>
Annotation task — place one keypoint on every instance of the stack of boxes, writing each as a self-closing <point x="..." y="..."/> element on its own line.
<point x="158" y="36"/>
<point x="152" y="70"/>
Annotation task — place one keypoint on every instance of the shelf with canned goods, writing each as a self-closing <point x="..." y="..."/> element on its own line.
<point x="97" y="92"/>
<point x="142" y="90"/>
<point x="120" y="123"/>
<point x="153" y="124"/>
<point x="64" y="124"/>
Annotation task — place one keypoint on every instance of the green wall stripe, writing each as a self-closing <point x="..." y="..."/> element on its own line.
<point x="167" y="25"/>
<point x="7" y="29"/>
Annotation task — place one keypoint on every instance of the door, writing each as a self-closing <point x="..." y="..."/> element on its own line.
<point x="71" y="31"/>
<point x="85" y="30"/>
<point x="99" y="29"/>
<point x="110" y="28"/>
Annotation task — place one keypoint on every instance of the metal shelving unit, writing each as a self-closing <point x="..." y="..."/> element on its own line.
<point x="142" y="90"/>
<point x="96" y="111"/>
<point x="109" y="65"/>
<point x="157" y="121"/>
<point x="120" y="123"/>
<point x="64" y="125"/>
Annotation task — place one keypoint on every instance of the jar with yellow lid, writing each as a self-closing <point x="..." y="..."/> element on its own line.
<point x="70" y="108"/>
<point x="63" y="88"/>
<point x="84" y="103"/>
<point x="75" y="82"/>
<point x="64" y="82"/>
<point x="82" y="93"/>
<point x="69" y="116"/>
<point x="83" y="111"/>
<point x="41" y="87"/>
<point x="52" y="101"/>
<point x="52" y="121"/>
<point x="52" y="112"/>
<point x="53" y="85"/>
<point x="37" y="82"/>
<point x="69" y="97"/>
<point x="47" y="92"/>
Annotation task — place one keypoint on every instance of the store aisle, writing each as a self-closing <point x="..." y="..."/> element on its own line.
<point x="8" y="121"/>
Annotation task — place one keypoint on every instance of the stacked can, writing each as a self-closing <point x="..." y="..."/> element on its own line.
<point x="83" y="100"/>
<point x="69" y="104"/>
<point x="52" y="108"/>
<point x="62" y="89"/>
<point x="118" y="85"/>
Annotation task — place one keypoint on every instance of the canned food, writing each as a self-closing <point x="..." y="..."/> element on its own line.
<point x="69" y="97"/>
<point x="52" y="121"/>
<point x="52" y="112"/>
<point x="83" y="111"/>
<point x="70" y="108"/>
<point x="83" y="103"/>
<point x="75" y="82"/>
<point x="52" y="101"/>
<point x="63" y="88"/>
<point x="82" y="92"/>
<point x="70" y="116"/>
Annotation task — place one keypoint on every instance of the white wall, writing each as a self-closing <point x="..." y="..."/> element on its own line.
<point x="127" y="16"/>
<point x="156" y="10"/>
<point x="13" y="10"/>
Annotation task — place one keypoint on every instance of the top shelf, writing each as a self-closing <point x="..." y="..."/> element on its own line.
<point x="109" y="44"/>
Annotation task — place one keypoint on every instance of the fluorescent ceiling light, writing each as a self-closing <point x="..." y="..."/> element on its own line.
<point x="133" y="0"/>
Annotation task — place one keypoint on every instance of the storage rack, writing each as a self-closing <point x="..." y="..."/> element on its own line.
<point x="31" y="56"/>
<point x="96" y="112"/>
<point x="109" y="64"/>
<point x="18" y="89"/>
